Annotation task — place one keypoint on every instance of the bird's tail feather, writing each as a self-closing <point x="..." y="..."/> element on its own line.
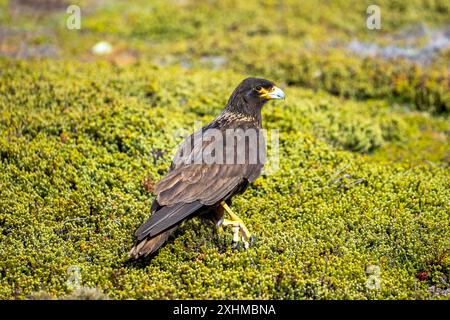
<point x="149" y="245"/>
<point x="162" y="223"/>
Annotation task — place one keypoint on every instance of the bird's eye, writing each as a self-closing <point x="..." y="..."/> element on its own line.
<point x="258" y="88"/>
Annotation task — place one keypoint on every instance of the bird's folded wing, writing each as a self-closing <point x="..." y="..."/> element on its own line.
<point x="187" y="189"/>
<point x="189" y="186"/>
<point x="165" y="218"/>
<point x="205" y="183"/>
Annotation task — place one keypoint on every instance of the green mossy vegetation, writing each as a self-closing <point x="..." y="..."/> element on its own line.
<point x="363" y="182"/>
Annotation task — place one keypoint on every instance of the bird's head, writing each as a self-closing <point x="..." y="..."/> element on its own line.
<point x="259" y="90"/>
<point x="251" y="94"/>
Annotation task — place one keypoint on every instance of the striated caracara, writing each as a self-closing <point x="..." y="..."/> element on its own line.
<point x="210" y="167"/>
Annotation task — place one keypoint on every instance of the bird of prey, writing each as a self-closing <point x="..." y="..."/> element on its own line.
<point x="210" y="167"/>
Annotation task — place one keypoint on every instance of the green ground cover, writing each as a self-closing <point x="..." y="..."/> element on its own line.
<point x="363" y="182"/>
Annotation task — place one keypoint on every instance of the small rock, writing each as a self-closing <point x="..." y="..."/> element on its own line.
<point x="101" y="48"/>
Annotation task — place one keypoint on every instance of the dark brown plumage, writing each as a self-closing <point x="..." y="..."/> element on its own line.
<point x="192" y="187"/>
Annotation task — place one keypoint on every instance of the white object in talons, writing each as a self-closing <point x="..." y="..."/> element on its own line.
<point x="236" y="234"/>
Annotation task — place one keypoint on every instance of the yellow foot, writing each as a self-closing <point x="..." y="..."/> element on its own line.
<point x="237" y="226"/>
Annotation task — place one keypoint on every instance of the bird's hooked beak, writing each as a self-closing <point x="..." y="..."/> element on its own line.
<point x="272" y="93"/>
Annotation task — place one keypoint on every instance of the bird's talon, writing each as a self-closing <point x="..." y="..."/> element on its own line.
<point x="240" y="231"/>
<point x="235" y="234"/>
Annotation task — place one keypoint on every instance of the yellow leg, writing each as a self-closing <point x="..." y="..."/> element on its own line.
<point x="237" y="225"/>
